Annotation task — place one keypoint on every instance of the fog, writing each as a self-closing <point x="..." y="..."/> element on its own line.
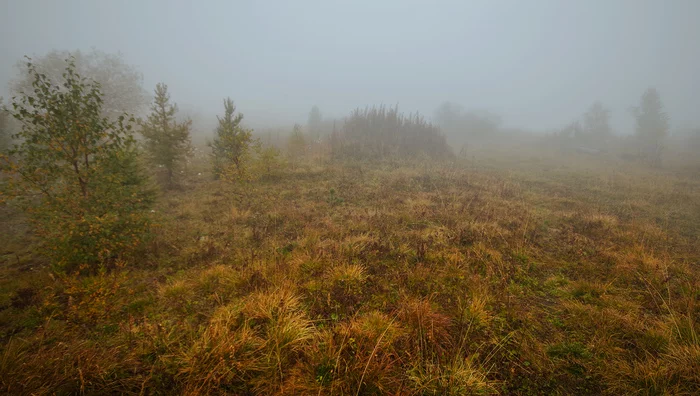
<point x="537" y="64"/>
<point x="361" y="197"/>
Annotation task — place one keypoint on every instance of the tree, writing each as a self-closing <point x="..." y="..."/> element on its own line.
<point x="167" y="141"/>
<point x="694" y="139"/>
<point x="596" y="126"/>
<point x="296" y="144"/>
<point x="230" y="148"/>
<point x="448" y="116"/>
<point x="565" y="137"/>
<point x="314" y="123"/>
<point x="268" y="161"/>
<point x="652" y="126"/>
<point x="4" y="128"/>
<point x="120" y="83"/>
<point x="463" y="126"/>
<point x="77" y="173"/>
<point x="480" y="124"/>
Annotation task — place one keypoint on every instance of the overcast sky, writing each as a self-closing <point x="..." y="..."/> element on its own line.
<point x="539" y="64"/>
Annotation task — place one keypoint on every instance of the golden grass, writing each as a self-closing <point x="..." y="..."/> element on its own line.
<point x="525" y="274"/>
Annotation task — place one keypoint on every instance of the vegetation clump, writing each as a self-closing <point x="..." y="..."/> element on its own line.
<point x="77" y="173"/>
<point x="379" y="132"/>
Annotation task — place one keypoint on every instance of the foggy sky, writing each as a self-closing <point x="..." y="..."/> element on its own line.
<point x="539" y="64"/>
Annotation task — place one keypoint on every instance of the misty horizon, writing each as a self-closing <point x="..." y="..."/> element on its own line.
<point x="538" y="65"/>
<point x="492" y="197"/>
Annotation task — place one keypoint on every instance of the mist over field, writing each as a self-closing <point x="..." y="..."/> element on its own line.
<point x="350" y="197"/>
<point x="536" y="64"/>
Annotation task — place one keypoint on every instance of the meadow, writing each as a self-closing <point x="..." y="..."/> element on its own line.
<point x="516" y="272"/>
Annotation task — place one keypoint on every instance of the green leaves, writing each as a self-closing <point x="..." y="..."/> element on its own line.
<point x="230" y="148"/>
<point x="83" y="167"/>
<point x="167" y="141"/>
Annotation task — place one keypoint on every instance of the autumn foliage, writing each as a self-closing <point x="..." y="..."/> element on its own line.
<point x="77" y="173"/>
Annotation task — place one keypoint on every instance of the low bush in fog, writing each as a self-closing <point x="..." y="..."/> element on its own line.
<point x="379" y="132"/>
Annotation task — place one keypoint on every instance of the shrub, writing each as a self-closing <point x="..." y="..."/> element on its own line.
<point x="378" y="132"/>
<point x="268" y="160"/>
<point x="77" y="173"/>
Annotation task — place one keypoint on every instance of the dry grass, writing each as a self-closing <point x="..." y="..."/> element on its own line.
<point x="525" y="274"/>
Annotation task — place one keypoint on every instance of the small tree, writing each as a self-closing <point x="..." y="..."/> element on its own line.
<point x="652" y="126"/>
<point x="76" y="172"/>
<point x="596" y="126"/>
<point x="314" y="123"/>
<point x="231" y="146"/>
<point x="466" y="126"/>
<point x="296" y="146"/>
<point x="694" y="140"/>
<point x="268" y="161"/>
<point x="4" y="128"/>
<point x="167" y="141"/>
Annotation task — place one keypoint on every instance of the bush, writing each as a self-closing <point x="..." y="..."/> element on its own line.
<point x="379" y="133"/>
<point x="77" y="173"/>
<point x="268" y="162"/>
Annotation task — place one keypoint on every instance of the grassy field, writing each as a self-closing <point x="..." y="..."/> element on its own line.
<point x="501" y="274"/>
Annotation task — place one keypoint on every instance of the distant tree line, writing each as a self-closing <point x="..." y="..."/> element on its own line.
<point x="593" y="132"/>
